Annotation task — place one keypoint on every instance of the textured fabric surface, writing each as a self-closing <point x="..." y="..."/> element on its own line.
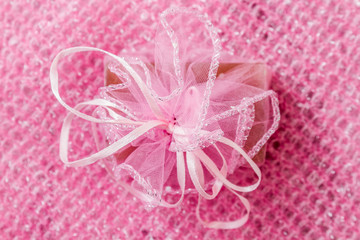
<point x="311" y="174"/>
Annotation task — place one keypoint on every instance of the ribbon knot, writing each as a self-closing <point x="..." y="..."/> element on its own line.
<point x="170" y="128"/>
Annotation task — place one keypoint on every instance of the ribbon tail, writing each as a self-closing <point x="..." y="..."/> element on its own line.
<point x="221" y="176"/>
<point x="210" y="165"/>
<point x="180" y="165"/>
<point x="196" y="173"/>
<point x="226" y="224"/>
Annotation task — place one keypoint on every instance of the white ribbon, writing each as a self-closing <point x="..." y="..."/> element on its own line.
<point x="194" y="159"/>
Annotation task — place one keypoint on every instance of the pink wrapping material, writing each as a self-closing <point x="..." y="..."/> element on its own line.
<point x="198" y="106"/>
<point x="180" y="121"/>
<point x="310" y="177"/>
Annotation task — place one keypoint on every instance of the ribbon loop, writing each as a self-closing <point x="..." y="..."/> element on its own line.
<point x="54" y="80"/>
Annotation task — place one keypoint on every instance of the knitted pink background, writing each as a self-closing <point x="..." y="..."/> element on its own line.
<point x="311" y="183"/>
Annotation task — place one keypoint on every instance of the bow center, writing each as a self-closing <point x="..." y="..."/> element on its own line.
<point x="171" y="127"/>
<point x="180" y="136"/>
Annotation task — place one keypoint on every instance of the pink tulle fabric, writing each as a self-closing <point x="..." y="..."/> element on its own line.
<point x="181" y="75"/>
<point x="177" y="117"/>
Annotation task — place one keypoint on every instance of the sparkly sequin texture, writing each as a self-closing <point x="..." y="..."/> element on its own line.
<point x="310" y="179"/>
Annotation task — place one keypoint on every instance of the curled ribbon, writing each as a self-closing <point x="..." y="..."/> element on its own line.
<point x="186" y="160"/>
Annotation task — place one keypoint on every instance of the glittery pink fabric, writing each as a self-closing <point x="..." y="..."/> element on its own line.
<point x="310" y="177"/>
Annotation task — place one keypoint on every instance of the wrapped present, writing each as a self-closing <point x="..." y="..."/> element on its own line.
<point x="179" y="120"/>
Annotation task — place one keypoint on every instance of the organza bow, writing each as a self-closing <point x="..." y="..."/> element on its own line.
<point x="169" y="111"/>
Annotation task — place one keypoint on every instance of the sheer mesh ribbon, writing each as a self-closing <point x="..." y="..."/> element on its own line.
<point x="157" y="91"/>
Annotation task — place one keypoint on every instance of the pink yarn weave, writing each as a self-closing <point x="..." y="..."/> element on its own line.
<point x="310" y="183"/>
